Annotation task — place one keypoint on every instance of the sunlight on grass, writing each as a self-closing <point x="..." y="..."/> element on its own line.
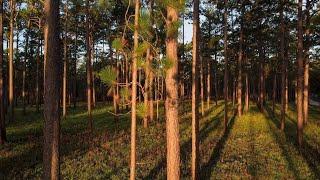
<point x="252" y="147"/>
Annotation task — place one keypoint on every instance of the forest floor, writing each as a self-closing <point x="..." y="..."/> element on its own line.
<point x="252" y="147"/>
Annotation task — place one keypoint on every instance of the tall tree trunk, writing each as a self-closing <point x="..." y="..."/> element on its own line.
<point x="65" y="63"/>
<point x="195" y="90"/>
<point x="114" y="87"/>
<point x="75" y="69"/>
<point x="306" y="66"/>
<point x="134" y="92"/>
<point x="172" y="99"/>
<point x="11" y="86"/>
<point x="26" y="56"/>
<point x="201" y="84"/>
<point x="151" y="110"/>
<point x="261" y="77"/>
<point x="226" y="66"/>
<point x="283" y="68"/>
<point x="3" y="134"/>
<point x="92" y="75"/>
<point x="216" y="78"/>
<point x="208" y="83"/>
<point x="139" y="91"/>
<point x="247" y="95"/>
<point x="274" y="93"/>
<point x="17" y="57"/>
<point x="127" y="71"/>
<point x="146" y="90"/>
<point x="234" y="93"/>
<point x="51" y="152"/>
<point x="240" y="58"/>
<point x="89" y="69"/>
<point x="157" y="96"/>
<point x="38" y="76"/>
<point x="300" y="75"/>
<point x="151" y="75"/>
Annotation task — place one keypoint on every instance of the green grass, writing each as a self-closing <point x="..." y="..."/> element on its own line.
<point x="252" y="147"/>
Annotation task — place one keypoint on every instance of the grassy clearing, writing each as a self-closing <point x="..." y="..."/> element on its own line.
<point x="253" y="147"/>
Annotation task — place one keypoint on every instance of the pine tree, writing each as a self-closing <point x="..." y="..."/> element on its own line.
<point x="11" y="68"/>
<point x="134" y="92"/>
<point x="51" y="149"/>
<point x="89" y="67"/>
<point x="300" y="75"/>
<point x="226" y="66"/>
<point x="172" y="99"/>
<point x="3" y="137"/>
<point x="195" y="90"/>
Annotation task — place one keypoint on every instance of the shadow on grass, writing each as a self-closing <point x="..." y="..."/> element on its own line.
<point x="207" y="169"/>
<point x="309" y="153"/>
<point x="185" y="148"/>
<point x="27" y="132"/>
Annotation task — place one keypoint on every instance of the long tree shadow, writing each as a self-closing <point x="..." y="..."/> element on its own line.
<point x="206" y="170"/>
<point x="74" y="138"/>
<point x="308" y="152"/>
<point x="185" y="148"/>
<point x="280" y="142"/>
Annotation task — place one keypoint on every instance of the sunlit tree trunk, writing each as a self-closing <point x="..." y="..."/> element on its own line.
<point x="261" y="77"/>
<point x="26" y="56"/>
<point x="201" y="84"/>
<point x="172" y="99"/>
<point x="11" y="85"/>
<point x="139" y="81"/>
<point x="195" y="90"/>
<point x="306" y="66"/>
<point x="247" y="95"/>
<point x="226" y="66"/>
<point x="89" y="69"/>
<point x="75" y="69"/>
<point x="3" y="134"/>
<point x="208" y="83"/>
<point x="51" y="152"/>
<point x="134" y="92"/>
<point x="216" y="78"/>
<point x="147" y="90"/>
<point x="38" y="76"/>
<point x="151" y="75"/>
<point x="151" y="110"/>
<point x="274" y="93"/>
<point x="17" y="55"/>
<point x="65" y="64"/>
<point x="240" y="59"/>
<point x="300" y="75"/>
<point x="92" y="75"/>
<point x="157" y="96"/>
<point x="283" y="68"/>
<point x="127" y="70"/>
<point x="234" y="93"/>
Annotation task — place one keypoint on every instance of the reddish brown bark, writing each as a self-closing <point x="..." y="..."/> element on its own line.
<point x="195" y="90"/>
<point x="283" y="69"/>
<point x="300" y="75"/>
<point x="11" y="68"/>
<point x="239" y="85"/>
<point x="51" y="152"/>
<point x="306" y="66"/>
<point x="134" y="93"/>
<point x="172" y="99"/>
<point x="89" y="68"/>
<point x="226" y="66"/>
<point x="3" y="135"/>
